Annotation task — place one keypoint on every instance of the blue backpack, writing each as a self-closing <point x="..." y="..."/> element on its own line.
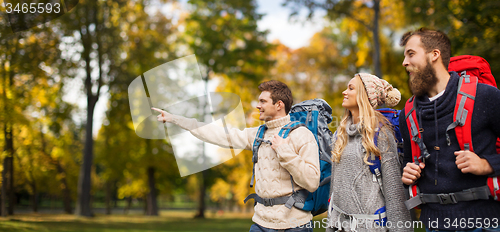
<point x="393" y="116"/>
<point x="315" y="115"/>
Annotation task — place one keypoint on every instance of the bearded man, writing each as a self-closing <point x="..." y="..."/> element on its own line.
<point x="449" y="170"/>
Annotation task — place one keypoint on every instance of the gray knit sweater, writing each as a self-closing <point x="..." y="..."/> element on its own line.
<point x="355" y="191"/>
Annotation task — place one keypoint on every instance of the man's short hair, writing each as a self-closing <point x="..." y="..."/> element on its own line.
<point x="431" y="39"/>
<point x="279" y="92"/>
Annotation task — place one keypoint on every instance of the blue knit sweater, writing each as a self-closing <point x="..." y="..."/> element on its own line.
<point x="441" y="174"/>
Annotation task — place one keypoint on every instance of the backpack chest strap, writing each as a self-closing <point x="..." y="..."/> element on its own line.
<point x="296" y="199"/>
<point x="379" y="217"/>
<point x="472" y="194"/>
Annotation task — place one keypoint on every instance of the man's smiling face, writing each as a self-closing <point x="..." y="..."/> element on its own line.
<point x="267" y="109"/>
<point x="417" y="63"/>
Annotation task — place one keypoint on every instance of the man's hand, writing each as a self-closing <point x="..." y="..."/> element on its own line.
<point x="164" y="115"/>
<point x="411" y="173"/>
<point x="470" y="162"/>
<point x="277" y="141"/>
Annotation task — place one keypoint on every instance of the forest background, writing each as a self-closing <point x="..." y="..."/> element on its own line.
<point x="57" y="158"/>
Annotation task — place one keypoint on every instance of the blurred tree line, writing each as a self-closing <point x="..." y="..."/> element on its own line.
<point x="48" y="148"/>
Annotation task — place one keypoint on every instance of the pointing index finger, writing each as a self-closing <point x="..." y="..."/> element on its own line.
<point x="156" y="109"/>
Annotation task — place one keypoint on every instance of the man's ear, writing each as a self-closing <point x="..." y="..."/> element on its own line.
<point x="280" y="105"/>
<point x="435" y="55"/>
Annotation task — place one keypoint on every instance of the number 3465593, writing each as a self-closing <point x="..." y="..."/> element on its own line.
<point x="33" y="8"/>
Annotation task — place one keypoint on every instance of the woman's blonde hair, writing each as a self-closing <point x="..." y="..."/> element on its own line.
<point x="370" y="121"/>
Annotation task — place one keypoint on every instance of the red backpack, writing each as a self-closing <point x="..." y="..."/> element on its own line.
<point x="473" y="70"/>
<point x="474" y="66"/>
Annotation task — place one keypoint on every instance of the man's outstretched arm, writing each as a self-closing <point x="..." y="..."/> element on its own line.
<point x="210" y="132"/>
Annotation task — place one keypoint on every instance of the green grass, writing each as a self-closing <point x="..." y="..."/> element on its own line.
<point x="167" y="221"/>
<point x="178" y="221"/>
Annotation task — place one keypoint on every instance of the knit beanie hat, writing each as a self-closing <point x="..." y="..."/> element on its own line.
<point x="380" y="91"/>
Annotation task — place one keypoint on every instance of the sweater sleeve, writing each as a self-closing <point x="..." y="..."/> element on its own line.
<point x="300" y="158"/>
<point x="391" y="182"/>
<point x="492" y="99"/>
<point x="334" y="139"/>
<point x="216" y="134"/>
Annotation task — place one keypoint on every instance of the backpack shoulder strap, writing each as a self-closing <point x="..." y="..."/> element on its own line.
<point x="418" y="150"/>
<point x="464" y="107"/>
<point x="288" y="128"/>
<point x="411" y="122"/>
<point x="376" y="164"/>
<point x="259" y="138"/>
<point x="413" y="128"/>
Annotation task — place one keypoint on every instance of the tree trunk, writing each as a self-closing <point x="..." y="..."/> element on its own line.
<point x="84" y="180"/>
<point x="152" y="209"/>
<point x="34" y="197"/>
<point x="32" y="183"/>
<point x="4" y="187"/>
<point x="108" y="197"/>
<point x="65" y="190"/>
<point x="129" y="204"/>
<point x="376" y="39"/>
<point x="115" y="195"/>
<point x="3" y="201"/>
<point x="8" y="177"/>
<point x="201" y="199"/>
<point x="8" y="164"/>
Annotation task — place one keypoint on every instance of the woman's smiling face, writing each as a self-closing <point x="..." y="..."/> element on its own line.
<point x="350" y="94"/>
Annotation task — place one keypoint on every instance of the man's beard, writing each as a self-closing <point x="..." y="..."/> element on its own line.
<point x="422" y="81"/>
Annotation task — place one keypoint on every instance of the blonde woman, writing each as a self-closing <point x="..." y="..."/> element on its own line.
<point x="357" y="195"/>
